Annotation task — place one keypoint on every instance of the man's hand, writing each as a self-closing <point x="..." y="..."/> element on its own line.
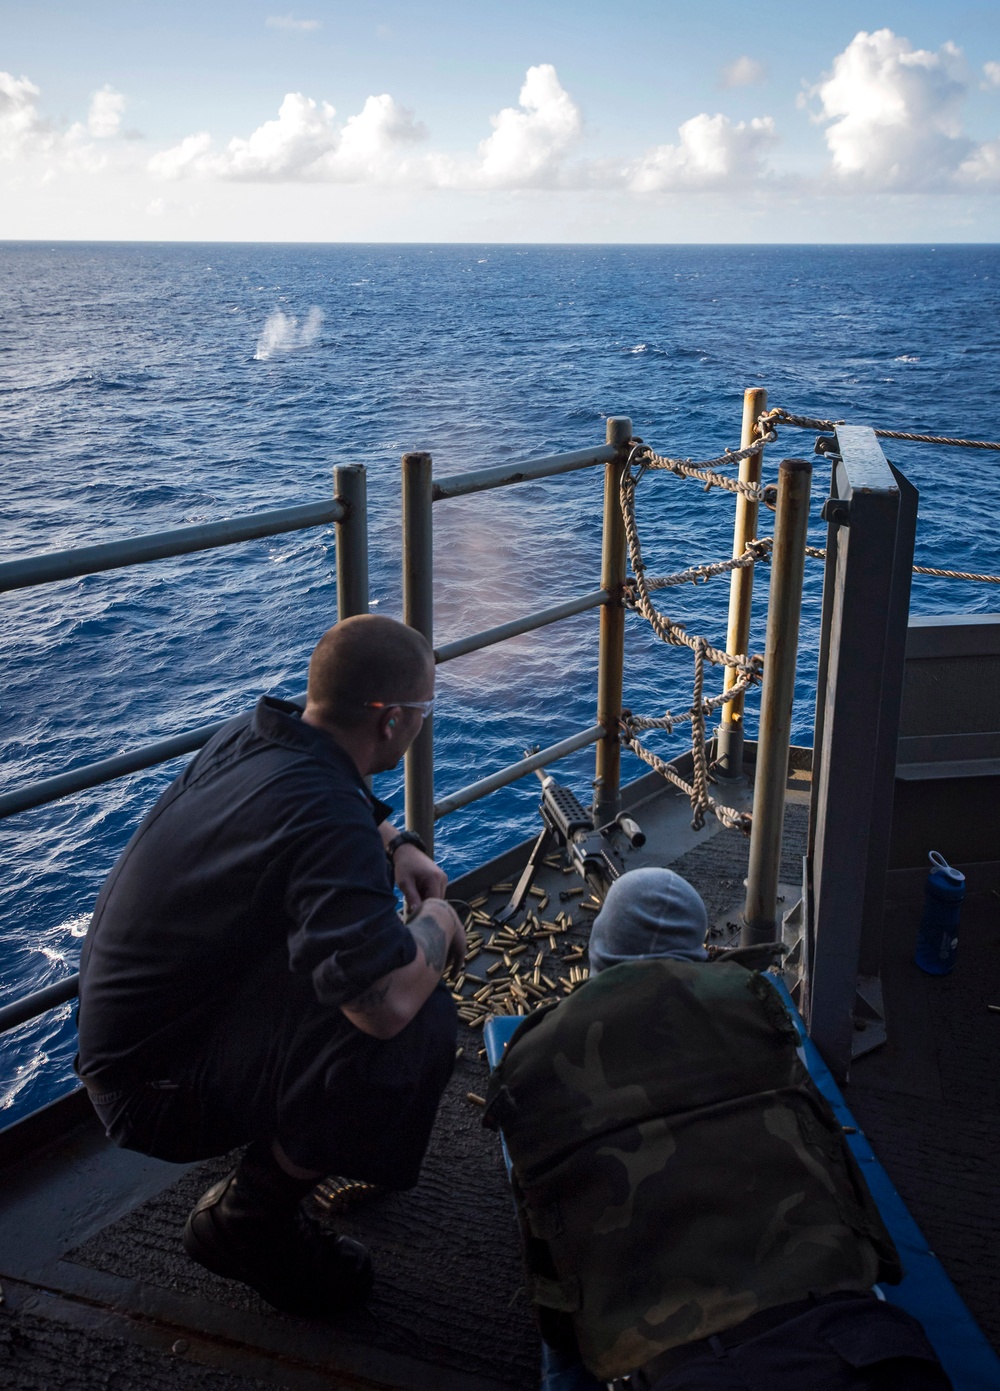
<point x="417" y="876"/>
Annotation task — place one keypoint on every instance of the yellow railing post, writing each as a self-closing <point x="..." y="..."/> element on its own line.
<point x="784" y="608"/>
<point x="611" y="654"/>
<point x="418" y="612"/>
<point x="730" y="736"/>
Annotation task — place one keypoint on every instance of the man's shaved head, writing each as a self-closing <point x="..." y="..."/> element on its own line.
<point x="365" y="658"/>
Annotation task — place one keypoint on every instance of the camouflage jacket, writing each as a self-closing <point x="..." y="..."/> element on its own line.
<point x="675" y="1167"/>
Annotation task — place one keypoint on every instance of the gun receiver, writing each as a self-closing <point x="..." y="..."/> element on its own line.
<point x="593" y="852"/>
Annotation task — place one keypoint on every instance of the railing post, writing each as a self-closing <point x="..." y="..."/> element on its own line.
<point x="871" y="513"/>
<point x="729" y="760"/>
<point x="418" y="612"/>
<point x="611" y="653"/>
<point x="350" y="489"/>
<point x="760" y="921"/>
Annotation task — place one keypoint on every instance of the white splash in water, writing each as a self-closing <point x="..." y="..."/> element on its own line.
<point x="282" y="333"/>
<point x="75" y="926"/>
<point x="23" y="1077"/>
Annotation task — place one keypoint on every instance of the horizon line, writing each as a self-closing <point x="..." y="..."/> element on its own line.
<point x="562" y="245"/>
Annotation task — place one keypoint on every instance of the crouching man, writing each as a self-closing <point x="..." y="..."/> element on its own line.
<point x="246" y="978"/>
<point x="692" y="1216"/>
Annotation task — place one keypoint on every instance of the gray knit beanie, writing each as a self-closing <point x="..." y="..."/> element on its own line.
<point x="649" y="912"/>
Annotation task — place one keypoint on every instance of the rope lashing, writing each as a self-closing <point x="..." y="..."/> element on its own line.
<point x="701" y="799"/>
<point x="755" y="551"/>
<point x="954" y="574"/>
<point x="668" y="721"/>
<point x="819" y="553"/>
<point x="705" y="469"/>
<point x="807" y="422"/>
<point x="666" y="629"/>
<point x="733" y="820"/>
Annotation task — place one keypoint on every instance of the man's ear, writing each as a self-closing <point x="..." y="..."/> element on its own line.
<point x="386" y="725"/>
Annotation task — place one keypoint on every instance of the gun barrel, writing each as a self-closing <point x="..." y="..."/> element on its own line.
<point x="631" y="830"/>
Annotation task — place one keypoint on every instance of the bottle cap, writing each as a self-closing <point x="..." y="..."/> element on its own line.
<point x="940" y="863"/>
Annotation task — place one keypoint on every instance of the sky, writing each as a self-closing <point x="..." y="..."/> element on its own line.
<point x="517" y="121"/>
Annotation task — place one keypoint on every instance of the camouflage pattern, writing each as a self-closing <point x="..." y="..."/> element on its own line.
<point x="675" y="1167"/>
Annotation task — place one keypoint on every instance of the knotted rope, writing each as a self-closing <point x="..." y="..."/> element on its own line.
<point x="705" y="469"/>
<point x="727" y="816"/>
<point x="819" y="553"/>
<point x="666" y="629"/>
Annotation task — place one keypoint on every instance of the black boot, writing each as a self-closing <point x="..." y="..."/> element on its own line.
<point x="250" y="1227"/>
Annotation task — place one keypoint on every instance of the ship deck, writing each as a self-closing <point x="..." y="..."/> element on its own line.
<point x="98" y="1293"/>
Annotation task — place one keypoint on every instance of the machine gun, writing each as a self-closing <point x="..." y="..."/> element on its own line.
<point x="594" y="851"/>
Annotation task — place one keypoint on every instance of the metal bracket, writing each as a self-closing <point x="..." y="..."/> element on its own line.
<point x="793" y="936"/>
<point x="836" y="511"/>
<point x="869" y="1017"/>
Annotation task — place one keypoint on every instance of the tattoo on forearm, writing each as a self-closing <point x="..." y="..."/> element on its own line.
<point x="432" y="941"/>
<point x="370" y="1000"/>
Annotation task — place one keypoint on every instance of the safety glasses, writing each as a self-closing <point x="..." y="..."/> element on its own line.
<point x="424" y="706"/>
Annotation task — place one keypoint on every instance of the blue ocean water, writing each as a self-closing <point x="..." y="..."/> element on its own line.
<point x="145" y="386"/>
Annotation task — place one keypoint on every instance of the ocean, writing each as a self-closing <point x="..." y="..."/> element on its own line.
<point x="148" y="386"/>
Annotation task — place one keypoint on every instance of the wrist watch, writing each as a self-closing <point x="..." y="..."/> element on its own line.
<point x="404" y="838"/>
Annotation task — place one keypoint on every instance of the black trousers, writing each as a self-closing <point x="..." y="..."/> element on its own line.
<point x="842" y="1343"/>
<point x="278" y="1065"/>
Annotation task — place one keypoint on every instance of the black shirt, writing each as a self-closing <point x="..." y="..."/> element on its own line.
<point x="268" y="836"/>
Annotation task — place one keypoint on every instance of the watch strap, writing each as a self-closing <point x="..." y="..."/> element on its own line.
<point x="404" y="838"/>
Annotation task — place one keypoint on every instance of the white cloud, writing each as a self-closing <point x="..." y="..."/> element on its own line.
<point x="529" y="147"/>
<point x="743" y="73"/>
<point x="991" y="72"/>
<point x="183" y="158"/>
<point x="712" y="152"/>
<point x="530" y="141"/>
<point x="892" y="117"/>
<point x="26" y="135"/>
<point x="372" y="140"/>
<point x="288" y="147"/>
<point x="106" y="108"/>
<point x="982" y="168"/>
<point x="532" y="146"/>
<point x="288" y="21"/>
<point x="22" y="130"/>
<point x="285" y="148"/>
<point x="304" y="143"/>
<point x="894" y="113"/>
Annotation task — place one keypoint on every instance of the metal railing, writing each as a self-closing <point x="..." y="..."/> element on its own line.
<point x="347" y="509"/>
<point x="420" y="491"/>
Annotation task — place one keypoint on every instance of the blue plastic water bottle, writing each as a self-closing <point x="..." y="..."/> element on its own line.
<point x="937" y="943"/>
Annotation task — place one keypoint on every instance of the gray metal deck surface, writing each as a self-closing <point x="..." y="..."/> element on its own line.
<point x="100" y="1294"/>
